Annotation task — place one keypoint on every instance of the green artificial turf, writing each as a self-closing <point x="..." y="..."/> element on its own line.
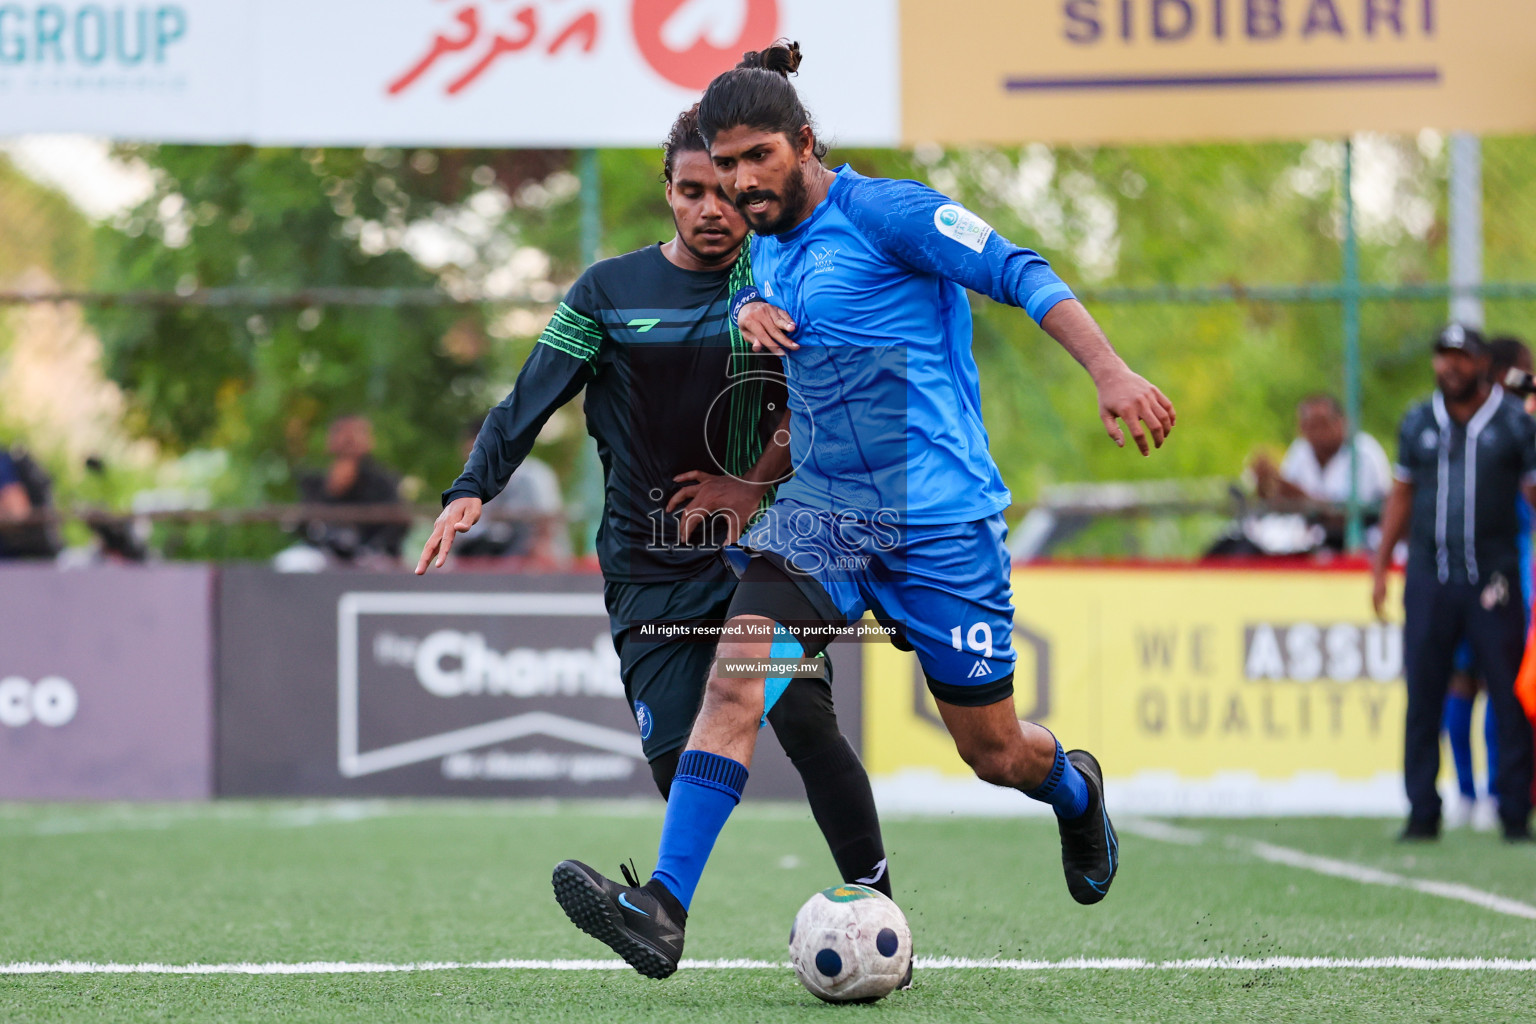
<point x="406" y="882"/>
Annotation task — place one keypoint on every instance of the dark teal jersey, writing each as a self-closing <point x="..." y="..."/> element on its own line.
<point x="1466" y="481"/>
<point x="670" y="387"/>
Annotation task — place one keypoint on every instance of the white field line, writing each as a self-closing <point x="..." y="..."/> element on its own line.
<point x="1361" y="873"/>
<point x="1407" y="963"/>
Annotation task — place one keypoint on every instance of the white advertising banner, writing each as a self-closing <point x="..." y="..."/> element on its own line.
<point x="426" y="72"/>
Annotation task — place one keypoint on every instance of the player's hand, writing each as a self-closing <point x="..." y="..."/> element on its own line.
<point x="766" y="327"/>
<point x="709" y="493"/>
<point x="1379" y="591"/>
<point x="1129" y="397"/>
<point x="459" y="516"/>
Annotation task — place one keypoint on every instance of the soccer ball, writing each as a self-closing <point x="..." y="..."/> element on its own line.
<point x="850" y="944"/>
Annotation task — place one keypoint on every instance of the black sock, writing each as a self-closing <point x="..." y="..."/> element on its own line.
<point x="837" y="788"/>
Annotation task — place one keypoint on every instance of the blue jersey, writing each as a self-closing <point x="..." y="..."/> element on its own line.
<point x="884" y="397"/>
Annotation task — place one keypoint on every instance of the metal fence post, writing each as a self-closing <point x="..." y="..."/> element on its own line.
<point x="1353" y="532"/>
<point x="1466" y="229"/>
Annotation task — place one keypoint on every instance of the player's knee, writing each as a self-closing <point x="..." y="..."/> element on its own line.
<point x="734" y="693"/>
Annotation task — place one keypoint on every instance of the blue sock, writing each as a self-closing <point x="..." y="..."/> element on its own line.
<point x="1491" y="744"/>
<point x="705" y="790"/>
<point x="1457" y="722"/>
<point x="1064" y="788"/>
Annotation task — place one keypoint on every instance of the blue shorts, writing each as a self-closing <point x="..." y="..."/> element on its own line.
<point x="944" y="589"/>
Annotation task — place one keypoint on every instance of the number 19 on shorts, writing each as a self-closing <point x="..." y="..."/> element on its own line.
<point x="978" y="638"/>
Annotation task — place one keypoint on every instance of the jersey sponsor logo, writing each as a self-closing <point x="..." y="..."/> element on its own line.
<point x="1430" y="438"/>
<point x="641" y="324"/>
<point x="823" y="259"/>
<point x="960" y="224"/>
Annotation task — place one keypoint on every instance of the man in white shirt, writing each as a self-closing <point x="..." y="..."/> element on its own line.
<point x="1316" y="466"/>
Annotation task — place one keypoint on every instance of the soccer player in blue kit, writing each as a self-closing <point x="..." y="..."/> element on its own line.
<point x="895" y="507"/>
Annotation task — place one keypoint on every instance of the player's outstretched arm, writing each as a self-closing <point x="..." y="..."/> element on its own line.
<point x="1123" y="394"/>
<point x="456" y="518"/>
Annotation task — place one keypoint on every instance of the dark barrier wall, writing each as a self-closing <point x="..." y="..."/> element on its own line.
<point x="460" y="685"/>
<point x="106" y="683"/>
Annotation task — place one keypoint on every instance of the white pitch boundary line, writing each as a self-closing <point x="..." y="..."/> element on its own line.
<point x="1408" y="963"/>
<point x="1336" y="868"/>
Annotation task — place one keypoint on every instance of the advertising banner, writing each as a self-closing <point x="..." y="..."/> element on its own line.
<point x="469" y="685"/>
<point x="1103" y="71"/>
<point x="523" y="73"/>
<point x="106" y="683"/>
<point x="1201" y="692"/>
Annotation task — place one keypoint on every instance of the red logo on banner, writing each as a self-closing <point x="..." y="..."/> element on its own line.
<point x="694" y="67"/>
<point x="487" y="40"/>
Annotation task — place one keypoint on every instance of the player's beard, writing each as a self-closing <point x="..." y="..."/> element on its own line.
<point x="1458" y="388"/>
<point x="791" y="204"/>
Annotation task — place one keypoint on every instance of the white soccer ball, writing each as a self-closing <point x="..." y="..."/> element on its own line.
<point x="850" y="944"/>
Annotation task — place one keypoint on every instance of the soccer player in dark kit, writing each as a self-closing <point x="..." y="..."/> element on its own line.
<point x="691" y="429"/>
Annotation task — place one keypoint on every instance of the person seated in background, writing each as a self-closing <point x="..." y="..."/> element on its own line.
<point x="524" y="521"/>
<point x="1316" y="466"/>
<point x="353" y="478"/>
<point x="14" y="503"/>
<point x="25" y="489"/>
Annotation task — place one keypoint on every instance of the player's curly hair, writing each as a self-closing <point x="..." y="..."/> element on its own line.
<point x="757" y="93"/>
<point x="683" y="138"/>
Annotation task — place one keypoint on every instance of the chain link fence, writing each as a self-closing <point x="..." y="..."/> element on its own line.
<point x="1217" y="270"/>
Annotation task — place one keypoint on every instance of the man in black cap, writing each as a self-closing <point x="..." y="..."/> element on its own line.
<point x="1463" y="457"/>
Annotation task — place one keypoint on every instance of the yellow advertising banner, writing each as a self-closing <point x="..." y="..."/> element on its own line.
<point x="1104" y="71"/>
<point x="1201" y="691"/>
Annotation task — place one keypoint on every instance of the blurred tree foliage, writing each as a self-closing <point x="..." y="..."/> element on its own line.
<point x="262" y="385"/>
<point x="40" y="228"/>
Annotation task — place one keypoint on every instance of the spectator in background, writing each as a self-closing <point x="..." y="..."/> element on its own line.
<point x="353" y="478"/>
<point x="1469" y="807"/>
<point x="14" y="503"/>
<point x="25" y="489"/>
<point x="1316" y="466"/>
<point x="1463" y="458"/>
<point x="524" y="521"/>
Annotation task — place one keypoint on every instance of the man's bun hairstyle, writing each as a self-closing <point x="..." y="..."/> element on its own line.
<point x="757" y="94"/>
<point x="783" y="57"/>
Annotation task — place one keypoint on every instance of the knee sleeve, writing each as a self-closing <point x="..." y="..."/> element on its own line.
<point x="804" y="719"/>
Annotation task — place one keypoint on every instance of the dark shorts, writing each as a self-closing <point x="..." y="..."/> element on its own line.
<point x="664" y="679"/>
